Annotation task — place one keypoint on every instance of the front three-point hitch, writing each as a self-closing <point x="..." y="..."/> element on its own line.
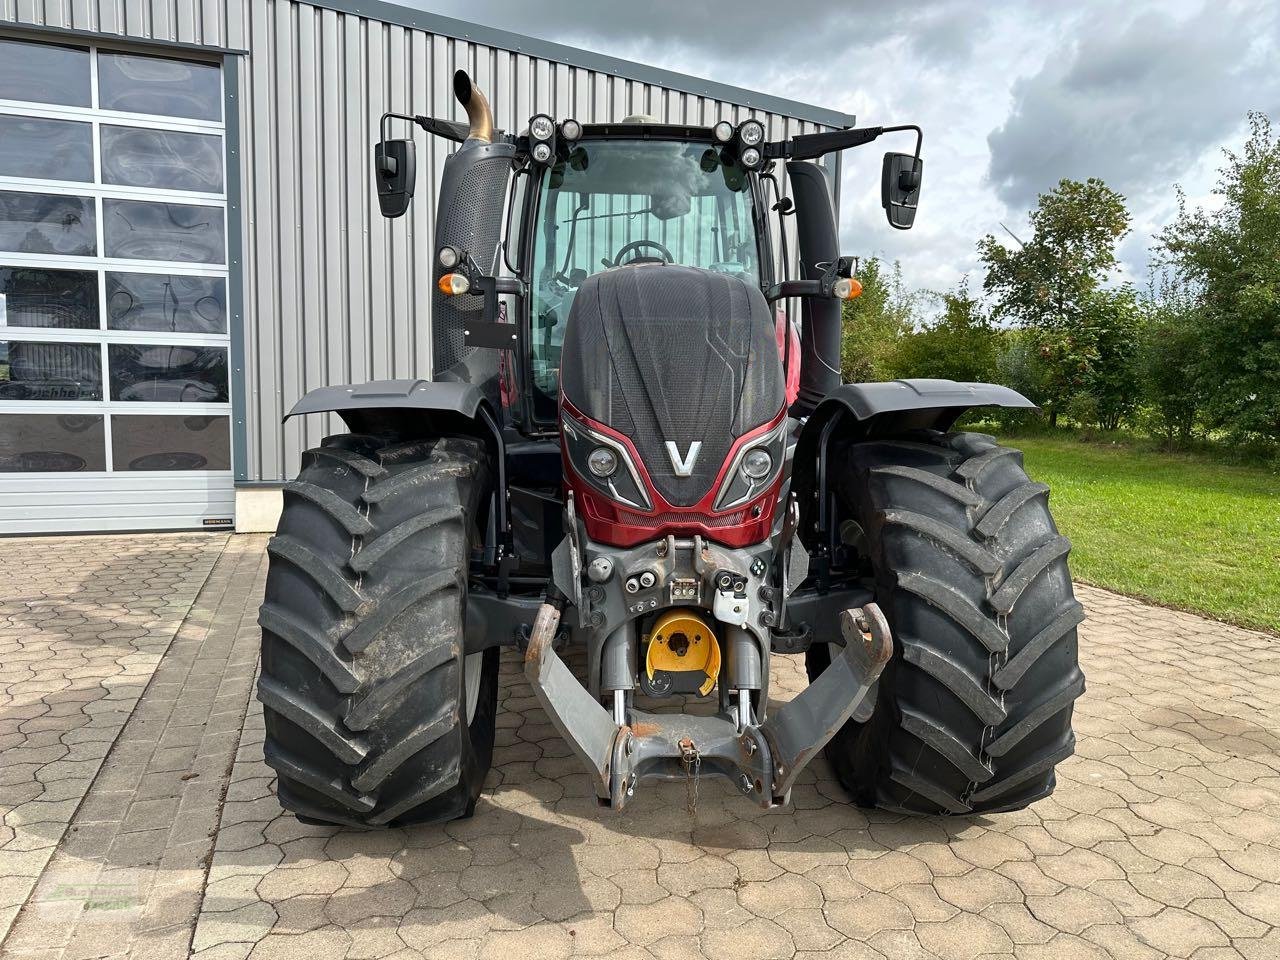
<point x="762" y="760"/>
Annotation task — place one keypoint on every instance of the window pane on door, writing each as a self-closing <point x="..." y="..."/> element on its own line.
<point x="165" y="159"/>
<point x="47" y="223"/>
<point x="44" y="72"/>
<point x="174" y="88"/>
<point x="168" y="374"/>
<point x="166" y="302"/>
<point x="170" y="443"/>
<point x="45" y="149"/>
<point x="34" y="297"/>
<point x="181" y="232"/>
<point x="57" y="443"/>
<point x="50" y="371"/>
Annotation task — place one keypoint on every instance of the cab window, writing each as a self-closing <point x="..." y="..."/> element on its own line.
<point x="613" y="202"/>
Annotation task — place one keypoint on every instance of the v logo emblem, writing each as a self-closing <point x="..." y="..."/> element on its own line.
<point x="683" y="466"/>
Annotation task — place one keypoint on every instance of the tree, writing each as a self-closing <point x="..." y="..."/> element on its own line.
<point x="1047" y="284"/>
<point x="1169" y="358"/>
<point x="1231" y="258"/>
<point x="961" y="344"/>
<point x="1114" y="321"/>
<point x="872" y="323"/>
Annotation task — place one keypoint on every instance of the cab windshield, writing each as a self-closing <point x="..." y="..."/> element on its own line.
<point x="613" y="202"/>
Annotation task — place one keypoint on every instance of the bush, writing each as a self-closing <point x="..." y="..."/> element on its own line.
<point x="1113" y="385"/>
<point x="1169" y="364"/>
<point x="872" y="324"/>
<point x="961" y="344"/>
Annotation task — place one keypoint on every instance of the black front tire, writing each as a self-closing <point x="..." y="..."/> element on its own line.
<point x="974" y="710"/>
<point x="373" y="715"/>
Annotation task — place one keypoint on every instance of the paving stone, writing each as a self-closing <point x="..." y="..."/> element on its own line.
<point x="1161" y="840"/>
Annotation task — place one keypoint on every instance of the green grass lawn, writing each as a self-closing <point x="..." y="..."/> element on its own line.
<point x="1177" y="530"/>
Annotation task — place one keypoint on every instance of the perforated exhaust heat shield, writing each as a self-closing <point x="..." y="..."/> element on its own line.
<point x="472" y="200"/>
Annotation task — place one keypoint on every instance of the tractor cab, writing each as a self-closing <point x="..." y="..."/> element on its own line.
<point x="609" y="201"/>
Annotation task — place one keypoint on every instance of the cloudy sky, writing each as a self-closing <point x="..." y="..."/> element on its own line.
<point x="1012" y="97"/>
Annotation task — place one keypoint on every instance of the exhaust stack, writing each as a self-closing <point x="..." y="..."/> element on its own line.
<point x="479" y="115"/>
<point x="470" y="203"/>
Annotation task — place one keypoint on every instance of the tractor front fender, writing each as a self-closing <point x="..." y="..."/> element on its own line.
<point x="857" y="412"/>
<point x="884" y="409"/>
<point x="414" y="409"/>
<point x="357" y="402"/>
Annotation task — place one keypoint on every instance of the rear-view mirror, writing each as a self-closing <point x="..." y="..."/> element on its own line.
<point x="900" y="188"/>
<point x="394" y="169"/>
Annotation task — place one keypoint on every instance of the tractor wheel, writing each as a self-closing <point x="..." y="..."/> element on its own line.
<point x="373" y="715"/>
<point x="974" y="710"/>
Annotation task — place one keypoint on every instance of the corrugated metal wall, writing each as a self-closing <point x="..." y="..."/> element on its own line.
<point x="211" y="23"/>
<point x="333" y="293"/>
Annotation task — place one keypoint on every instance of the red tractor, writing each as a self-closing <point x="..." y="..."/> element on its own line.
<point x="625" y="448"/>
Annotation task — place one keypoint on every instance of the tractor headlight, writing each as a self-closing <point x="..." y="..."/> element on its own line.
<point x="753" y="469"/>
<point x="751" y="132"/>
<point x="751" y="158"/>
<point x="603" y="462"/>
<point x="757" y="464"/>
<point x="723" y="131"/>
<point x="448" y="257"/>
<point x="571" y="130"/>
<point x="541" y="127"/>
<point x="542" y="152"/>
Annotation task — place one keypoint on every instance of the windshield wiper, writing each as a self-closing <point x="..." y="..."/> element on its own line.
<point x="605" y="216"/>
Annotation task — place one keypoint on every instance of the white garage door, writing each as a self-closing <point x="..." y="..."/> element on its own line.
<point x="114" y="396"/>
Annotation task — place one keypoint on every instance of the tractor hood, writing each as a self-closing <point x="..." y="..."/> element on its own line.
<point x="682" y="361"/>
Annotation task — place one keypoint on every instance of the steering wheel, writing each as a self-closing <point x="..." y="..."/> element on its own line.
<point x="637" y="245"/>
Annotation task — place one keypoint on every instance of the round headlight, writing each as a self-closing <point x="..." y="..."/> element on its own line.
<point x="757" y="464"/>
<point x="541" y="127"/>
<point x="751" y="132"/>
<point x="571" y="129"/>
<point x="751" y="158"/>
<point x="448" y="257"/>
<point x="542" y="152"/>
<point x="723" y="131"/>
<point x="603" y="462"/>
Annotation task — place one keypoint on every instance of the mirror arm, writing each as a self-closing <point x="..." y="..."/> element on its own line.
<point x="822" y="287"/>
<point x="793" y="288"/>
<point x="811" y="146"/>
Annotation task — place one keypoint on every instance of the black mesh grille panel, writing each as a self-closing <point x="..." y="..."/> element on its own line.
<point x="666" y="353"/>
<point x="472" y="199"/>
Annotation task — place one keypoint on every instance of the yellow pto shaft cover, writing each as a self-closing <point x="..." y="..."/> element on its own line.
<point x="682" y="642"/>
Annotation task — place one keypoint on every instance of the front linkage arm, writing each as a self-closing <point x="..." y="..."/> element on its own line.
<point x="762" y="761"/>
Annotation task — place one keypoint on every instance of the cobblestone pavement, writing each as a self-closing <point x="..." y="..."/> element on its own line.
<point x="1163" y="838"/>
<point x="83" y="624"/>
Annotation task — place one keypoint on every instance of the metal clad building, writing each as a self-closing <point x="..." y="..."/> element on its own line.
<point x="216" y="156"/>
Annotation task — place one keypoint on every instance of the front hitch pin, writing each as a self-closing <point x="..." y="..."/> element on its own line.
<point x="692" y="762"/>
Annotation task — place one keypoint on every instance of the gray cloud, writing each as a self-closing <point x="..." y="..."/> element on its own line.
<point x="1011" y="98"/>
<point x="1136" y="106"/>
<point x="736" y="33"/>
